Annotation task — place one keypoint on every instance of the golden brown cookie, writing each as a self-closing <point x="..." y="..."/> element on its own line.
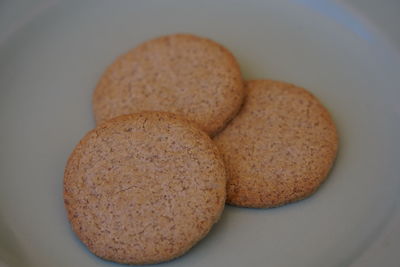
<point x="184" y="74"/>
<point x="144" y="188"/>
<point x="279" y="148"/>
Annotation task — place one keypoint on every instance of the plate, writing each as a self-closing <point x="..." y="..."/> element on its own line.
<point x="53" y="52"/>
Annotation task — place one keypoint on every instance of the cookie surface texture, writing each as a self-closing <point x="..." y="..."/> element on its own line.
<point x="144" y="188"/>
<point x="184" y="74"/>
<point x="279" y="148"/>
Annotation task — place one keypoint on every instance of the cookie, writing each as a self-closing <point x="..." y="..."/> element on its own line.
<point x="144" y="188"/>
<point x="279" y="148"/>
<point x="184" y="74"/>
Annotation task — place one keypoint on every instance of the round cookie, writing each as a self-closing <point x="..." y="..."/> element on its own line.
<point x="184" y="74"/>
<point x="144" y="188"/>
<point x="279" y="148"/>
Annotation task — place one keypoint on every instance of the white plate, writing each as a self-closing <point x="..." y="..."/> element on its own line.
<point x="52" y="53"/>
